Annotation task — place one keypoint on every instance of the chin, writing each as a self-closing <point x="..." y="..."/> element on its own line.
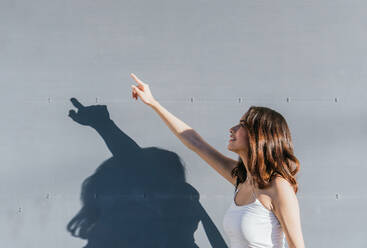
<point x="230" y="149"/>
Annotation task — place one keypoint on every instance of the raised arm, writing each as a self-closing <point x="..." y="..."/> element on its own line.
<point x="188" y="136"/>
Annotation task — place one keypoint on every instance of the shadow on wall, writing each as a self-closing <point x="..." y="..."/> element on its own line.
<point x="137" y="198"/>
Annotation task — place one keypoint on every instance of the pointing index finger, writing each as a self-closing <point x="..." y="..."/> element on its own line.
<point x="76" y="103"/>
<point x="136" y="78"/>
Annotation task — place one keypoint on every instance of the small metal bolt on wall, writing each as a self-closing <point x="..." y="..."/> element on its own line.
<point x="337" y="196"/>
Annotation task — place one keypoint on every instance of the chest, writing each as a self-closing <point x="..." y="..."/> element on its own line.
<point x="252" y="224"/>
<point x="246" y="195"/>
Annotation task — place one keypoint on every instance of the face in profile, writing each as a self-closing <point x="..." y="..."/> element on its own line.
<point x="238" y="140"/>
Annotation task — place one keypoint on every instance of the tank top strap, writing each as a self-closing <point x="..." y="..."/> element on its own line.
<point x="253" y="193"/>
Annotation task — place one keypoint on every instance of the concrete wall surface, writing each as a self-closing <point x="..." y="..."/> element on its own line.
<point x="128" y="181"/>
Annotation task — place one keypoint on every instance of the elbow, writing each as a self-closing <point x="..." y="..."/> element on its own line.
<point x="191" y="138"/>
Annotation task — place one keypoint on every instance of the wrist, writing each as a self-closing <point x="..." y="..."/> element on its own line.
<point x="154" y="103"/>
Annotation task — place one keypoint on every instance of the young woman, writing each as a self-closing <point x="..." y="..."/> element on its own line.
<point x="264" y="210"/>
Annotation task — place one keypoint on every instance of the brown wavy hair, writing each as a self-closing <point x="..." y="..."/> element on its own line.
<point x="270" y="149"/>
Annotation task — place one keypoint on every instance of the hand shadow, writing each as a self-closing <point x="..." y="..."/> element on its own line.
<point x="137" y="198"/>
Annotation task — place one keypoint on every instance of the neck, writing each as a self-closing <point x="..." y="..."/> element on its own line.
<point x="245" y="160"/>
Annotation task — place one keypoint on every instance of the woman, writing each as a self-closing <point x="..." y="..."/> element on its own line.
<point x="264" y="210"/>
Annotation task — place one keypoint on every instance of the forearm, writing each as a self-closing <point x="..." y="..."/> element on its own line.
<point x="184" y="132"/>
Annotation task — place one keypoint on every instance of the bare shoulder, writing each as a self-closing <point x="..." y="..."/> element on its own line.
<point x="280" y="190"/>
<point x="279" y="184"/>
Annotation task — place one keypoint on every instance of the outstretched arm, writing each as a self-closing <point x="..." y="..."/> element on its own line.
<point x="187" y="135"/>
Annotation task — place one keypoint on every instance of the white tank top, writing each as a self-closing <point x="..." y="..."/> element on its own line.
<point x="252" y="226"/>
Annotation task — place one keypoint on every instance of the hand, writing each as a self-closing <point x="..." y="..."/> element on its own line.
<point x="94" y="115"/>
<point x="142" y="90"/>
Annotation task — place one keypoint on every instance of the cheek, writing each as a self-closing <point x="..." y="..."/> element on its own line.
<point x="243" y="134"/>
<point x="244" y="139"/>
<point x="241" y="139"/>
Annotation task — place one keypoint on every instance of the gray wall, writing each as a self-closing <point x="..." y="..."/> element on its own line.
<point x="207" y="62"/>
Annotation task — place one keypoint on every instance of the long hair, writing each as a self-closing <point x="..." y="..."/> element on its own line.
<point x="270" y="149"/>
